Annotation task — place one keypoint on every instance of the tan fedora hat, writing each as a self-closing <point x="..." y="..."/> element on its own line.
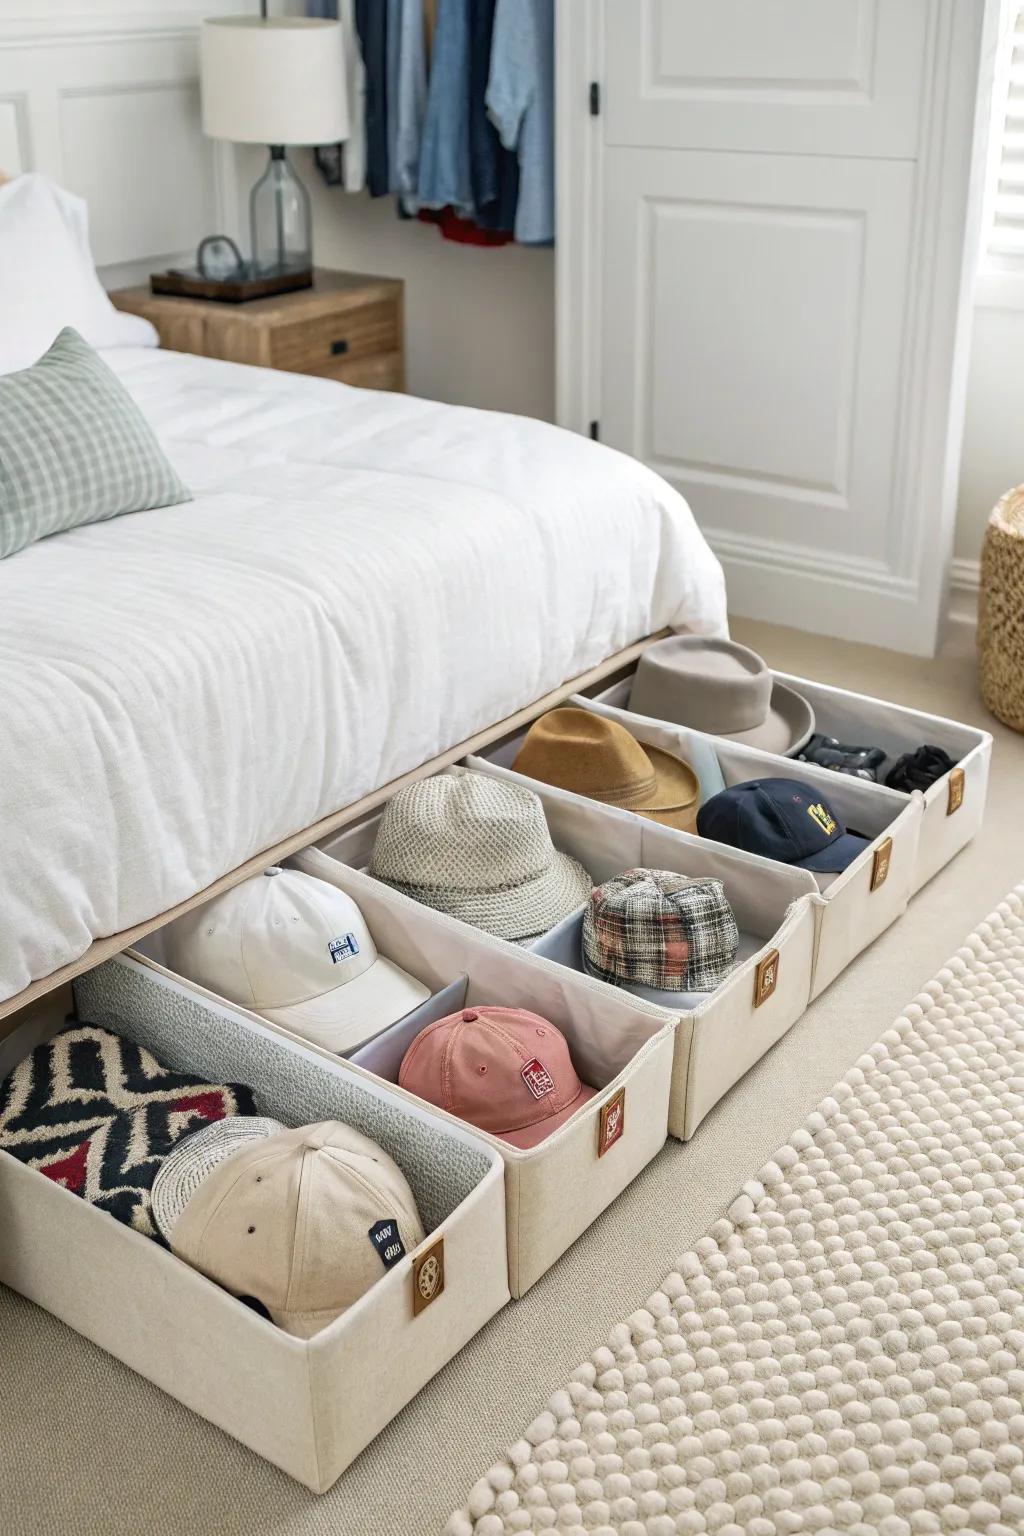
<point x="578" y="750"/>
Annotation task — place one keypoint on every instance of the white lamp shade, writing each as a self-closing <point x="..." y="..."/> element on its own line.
<point x="273" y="81"/>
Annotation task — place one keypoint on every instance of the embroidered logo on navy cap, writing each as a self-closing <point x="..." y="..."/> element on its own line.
<point x="343" y="948"/>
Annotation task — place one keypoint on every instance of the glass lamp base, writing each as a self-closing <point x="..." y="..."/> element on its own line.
<point x="280" y="220"/>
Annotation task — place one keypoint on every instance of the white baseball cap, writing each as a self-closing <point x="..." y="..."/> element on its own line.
<point x="296" y="950"/>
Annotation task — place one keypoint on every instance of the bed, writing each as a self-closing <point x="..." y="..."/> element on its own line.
<point x="362" y="581"/>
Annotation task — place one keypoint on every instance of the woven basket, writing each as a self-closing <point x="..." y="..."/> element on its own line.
<point x="1001" y="611"/>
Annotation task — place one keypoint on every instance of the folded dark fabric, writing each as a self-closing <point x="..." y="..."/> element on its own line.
<point x="99" y="1114"/>
<point x="843" y="757"/>
<point x="917" y="770"/>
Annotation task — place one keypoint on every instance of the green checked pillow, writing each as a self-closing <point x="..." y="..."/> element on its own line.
<point x="74" y="448"/>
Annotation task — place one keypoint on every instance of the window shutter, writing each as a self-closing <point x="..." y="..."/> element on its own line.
<point x="1006" y="231"/>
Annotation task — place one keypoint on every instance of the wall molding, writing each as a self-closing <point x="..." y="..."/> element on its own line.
<point x="964" y="586"/>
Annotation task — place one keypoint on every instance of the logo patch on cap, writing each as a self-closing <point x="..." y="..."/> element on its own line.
<point x="344" y="948"/>
<point x="538" y="1079"/>
<point x="819" y="814"/>
<point x="386" y="1238"/>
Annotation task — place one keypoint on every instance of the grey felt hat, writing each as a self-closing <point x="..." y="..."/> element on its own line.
<point x="478" y="848"/>
<point x="723" y="689"/>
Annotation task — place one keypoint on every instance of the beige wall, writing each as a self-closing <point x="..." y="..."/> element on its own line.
<point x="480" y="323"/>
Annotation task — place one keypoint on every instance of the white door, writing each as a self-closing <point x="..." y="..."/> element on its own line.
<point x="762" y="230"/>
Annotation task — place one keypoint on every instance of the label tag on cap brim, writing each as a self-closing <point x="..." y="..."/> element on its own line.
<point x="386" y="1238"/>
<point x="427" y="1276"/>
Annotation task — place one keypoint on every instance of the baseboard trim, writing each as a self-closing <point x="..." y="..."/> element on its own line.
<point x="964" y="583"/>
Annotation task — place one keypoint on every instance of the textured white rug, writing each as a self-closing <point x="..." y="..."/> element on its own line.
<point x="844" y="1351"/>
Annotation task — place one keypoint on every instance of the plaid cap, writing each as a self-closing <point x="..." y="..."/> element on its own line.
<point x="652" y="928"/>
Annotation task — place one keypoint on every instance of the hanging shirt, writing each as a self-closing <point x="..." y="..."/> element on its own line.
<point x="372" y="24"/>
<point x="521" y="101"/>
<point x="407" y="93"/>
<point x="444" y="173"/>
<point x="345" y="164"/>
<point x="493" y="169"/>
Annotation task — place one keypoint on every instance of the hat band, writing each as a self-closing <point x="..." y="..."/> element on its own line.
<point x="629" y="794"/>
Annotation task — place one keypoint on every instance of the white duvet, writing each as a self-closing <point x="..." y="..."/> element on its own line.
<point x="362" y="581"/>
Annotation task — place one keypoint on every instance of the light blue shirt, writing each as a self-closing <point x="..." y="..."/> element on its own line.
<point x="444" y="170"/>
<point x="407" y="93"/>
<point x="520" y="100"/>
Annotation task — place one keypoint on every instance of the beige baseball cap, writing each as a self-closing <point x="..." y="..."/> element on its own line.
<point x="296" y="950"/>
<point x="303" y="1221"/>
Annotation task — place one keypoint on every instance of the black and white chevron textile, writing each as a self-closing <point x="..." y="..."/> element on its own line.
<point x="98" y="1114"/>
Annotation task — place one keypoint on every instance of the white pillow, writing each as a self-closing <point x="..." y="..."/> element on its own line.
<point x="47" y="277"/>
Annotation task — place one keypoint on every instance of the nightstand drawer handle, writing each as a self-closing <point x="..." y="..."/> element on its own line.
<point x="338" y="347"/>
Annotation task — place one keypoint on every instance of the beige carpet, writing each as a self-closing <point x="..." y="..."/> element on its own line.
<point x="842" y="1351"/>
<point x="87" y="1447"/>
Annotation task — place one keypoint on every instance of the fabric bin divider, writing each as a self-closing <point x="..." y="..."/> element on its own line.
<point x="308" y="1406"/>
<point x="953" y="806"/>
<point x="620" y="1045"/>
<point x="723" y="1033"/>
<point x="853" y="907"/>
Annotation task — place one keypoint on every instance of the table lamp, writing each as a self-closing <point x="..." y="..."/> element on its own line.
<point x="275" y="81"/>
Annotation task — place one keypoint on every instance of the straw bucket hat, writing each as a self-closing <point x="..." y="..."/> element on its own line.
<point x="478" y="847"/>
<point x="579" y="750"/>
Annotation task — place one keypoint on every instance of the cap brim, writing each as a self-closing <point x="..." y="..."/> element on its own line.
<point x="839" y="855"/>
<point x="788" y="727"/>
<point x="346" y="1016"/>
<point x="533" y="1135"/>
<point x="518" y="912"/>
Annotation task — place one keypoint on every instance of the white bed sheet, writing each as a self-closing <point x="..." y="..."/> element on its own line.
<point x="362" y="581"/>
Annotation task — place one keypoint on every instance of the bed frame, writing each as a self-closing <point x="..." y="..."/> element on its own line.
<point x="52" y="992"/>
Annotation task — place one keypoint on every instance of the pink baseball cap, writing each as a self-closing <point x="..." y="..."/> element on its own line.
<point x="503" y="1070"/>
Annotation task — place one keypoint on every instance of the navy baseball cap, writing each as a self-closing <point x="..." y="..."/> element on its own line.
<point x="784" y="819"/>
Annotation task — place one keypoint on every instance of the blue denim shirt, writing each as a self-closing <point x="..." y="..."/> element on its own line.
<point x="407" y="93"/>
<point x="520" y="100"/>
<point x="444" y="153"/>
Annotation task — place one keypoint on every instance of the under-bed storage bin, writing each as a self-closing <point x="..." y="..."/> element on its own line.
<point x="852" y="908"/>
<point x="619" y="1045"/>
<point x="728" y="1030"/>
<point x="309" y="1406"/>
<point x="953" y="806"/>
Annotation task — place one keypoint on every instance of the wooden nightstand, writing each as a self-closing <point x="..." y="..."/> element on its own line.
<point x="347" y="326"/>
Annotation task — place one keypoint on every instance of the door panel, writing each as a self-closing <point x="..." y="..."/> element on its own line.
<point x="831" y="77"/>
<point x="753" y="321"/>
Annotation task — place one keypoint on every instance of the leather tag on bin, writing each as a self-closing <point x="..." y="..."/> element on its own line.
<point x="766" y="977"/>
<point x="956" y="791"/>
<point x="427" y="1276"/>
<point x="612" y="1122"/>
<point x="880" y="863"/>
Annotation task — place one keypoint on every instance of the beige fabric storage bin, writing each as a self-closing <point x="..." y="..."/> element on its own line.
<point x="953" y="806"/>
<point x="731" y="1028"/>
<point x="621" y="1046"/>
<point x="851" y="909"/>
<point x="308" y="1406"/>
